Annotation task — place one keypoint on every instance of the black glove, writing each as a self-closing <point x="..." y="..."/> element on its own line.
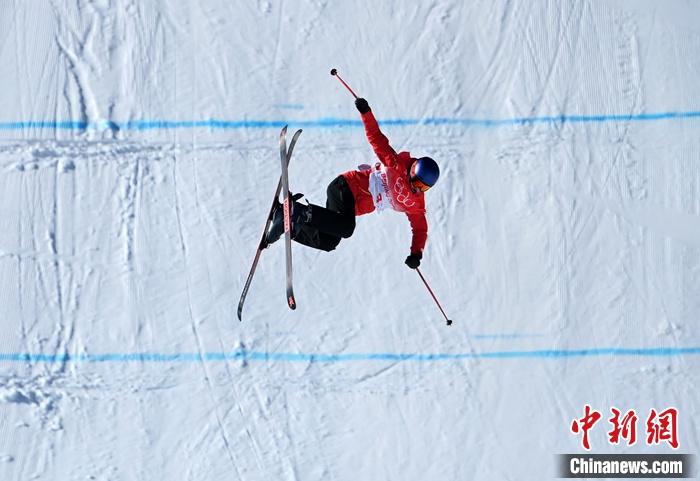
<point x="413" y="261"/>
<point x="362" y="106"/>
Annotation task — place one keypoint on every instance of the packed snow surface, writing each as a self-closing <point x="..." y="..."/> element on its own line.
<point x="138" y="157"/>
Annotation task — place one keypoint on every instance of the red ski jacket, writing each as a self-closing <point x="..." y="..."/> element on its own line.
<point x="387" y="184"/>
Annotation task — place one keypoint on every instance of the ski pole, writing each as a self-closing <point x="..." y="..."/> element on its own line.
<point x="449" y="322"/>
<point x="334" y="72"/>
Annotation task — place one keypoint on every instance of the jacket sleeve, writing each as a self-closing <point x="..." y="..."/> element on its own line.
<point x="419" y="227"/>
<point x="378" y="141"/>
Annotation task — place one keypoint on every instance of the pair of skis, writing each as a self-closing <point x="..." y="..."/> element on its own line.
<point x="282" y="186"/>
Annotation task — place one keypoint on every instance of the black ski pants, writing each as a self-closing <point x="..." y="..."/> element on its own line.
<point x="334" y="222"/>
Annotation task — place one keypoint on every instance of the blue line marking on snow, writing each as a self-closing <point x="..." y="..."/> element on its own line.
<point x="214" y="124"/>
<point x="153" y="357"/>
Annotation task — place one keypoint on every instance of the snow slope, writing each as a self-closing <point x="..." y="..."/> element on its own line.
<point x="138" y="154"/>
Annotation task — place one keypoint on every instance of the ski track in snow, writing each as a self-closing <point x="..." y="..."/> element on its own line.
<point x="137" y="158"/>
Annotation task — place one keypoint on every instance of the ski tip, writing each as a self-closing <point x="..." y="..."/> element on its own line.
<point x="291" y="302"/>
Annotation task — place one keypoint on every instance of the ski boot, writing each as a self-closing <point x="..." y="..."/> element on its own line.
<point x="300" y="214"/>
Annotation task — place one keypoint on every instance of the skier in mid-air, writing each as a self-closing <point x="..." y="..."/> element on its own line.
<point x="397" y="181"/>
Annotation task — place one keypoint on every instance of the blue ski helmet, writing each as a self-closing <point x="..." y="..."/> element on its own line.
<point x="426" y="171"/>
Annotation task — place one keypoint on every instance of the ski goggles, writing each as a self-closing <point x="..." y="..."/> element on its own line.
<point x="416" y="183"/>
